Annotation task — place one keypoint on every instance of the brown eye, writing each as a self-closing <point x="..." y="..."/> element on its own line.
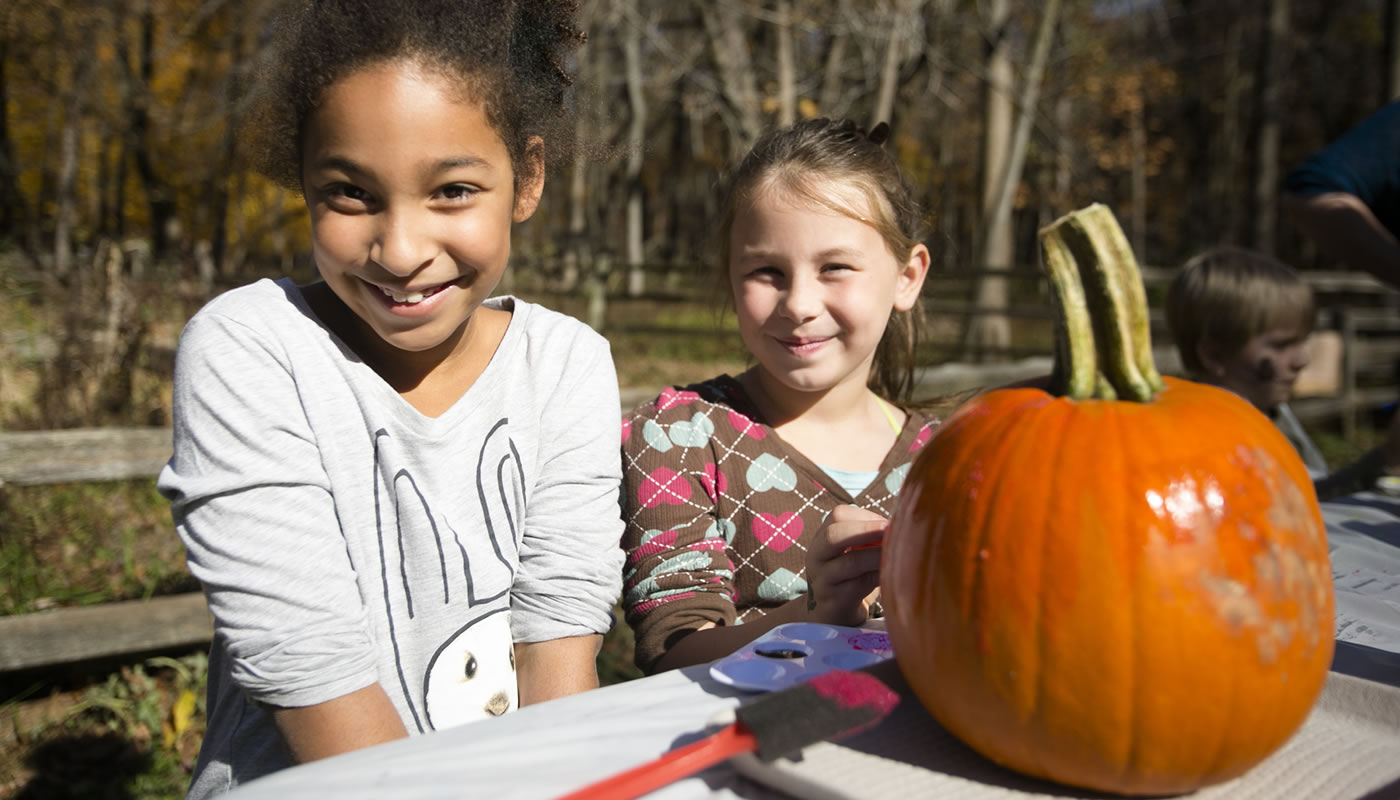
<point x="470" y="670"/>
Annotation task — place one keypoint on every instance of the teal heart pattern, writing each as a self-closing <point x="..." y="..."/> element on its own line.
<point x="655" y="436"/>
<point x="722" y="528"/>
<point x="768" y="472"/>
<point x="695" y="432"/>
<point x="781" y="586"/>
<point x="895" y="479"/>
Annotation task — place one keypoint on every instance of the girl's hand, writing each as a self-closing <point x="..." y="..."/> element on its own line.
<point x="843" y="566"/>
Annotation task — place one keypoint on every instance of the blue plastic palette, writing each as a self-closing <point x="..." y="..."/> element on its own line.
<point x="798" y="651"/>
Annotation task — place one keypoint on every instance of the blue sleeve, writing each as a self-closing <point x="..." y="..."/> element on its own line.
<point x="1364" y="162"/>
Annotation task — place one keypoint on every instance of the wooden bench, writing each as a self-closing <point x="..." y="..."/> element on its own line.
<point x="110" y="630"/>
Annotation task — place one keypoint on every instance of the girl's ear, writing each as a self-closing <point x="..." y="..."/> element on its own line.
<point x="911" y="278"/>
<point x="531" y="184"/>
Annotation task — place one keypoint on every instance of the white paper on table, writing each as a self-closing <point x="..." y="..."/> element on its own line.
<point x="1365" y="576"/>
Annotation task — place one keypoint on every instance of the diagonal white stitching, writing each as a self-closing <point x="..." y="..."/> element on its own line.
<point x="724" y="451"/>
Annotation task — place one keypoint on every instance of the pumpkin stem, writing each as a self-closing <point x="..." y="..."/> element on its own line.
<point x="1103" y="341"/>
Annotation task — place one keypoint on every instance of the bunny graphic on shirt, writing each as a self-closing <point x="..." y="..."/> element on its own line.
<point x="455" y="577"/>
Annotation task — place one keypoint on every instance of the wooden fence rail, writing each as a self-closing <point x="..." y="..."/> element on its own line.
<point x="1359" y="308"/>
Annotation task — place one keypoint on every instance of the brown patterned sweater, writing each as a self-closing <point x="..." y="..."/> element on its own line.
<point x="718" y="510"/>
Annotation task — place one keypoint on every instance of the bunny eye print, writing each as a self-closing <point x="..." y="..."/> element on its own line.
<point x="447" y="569"/>
<point x="472" y="676"/>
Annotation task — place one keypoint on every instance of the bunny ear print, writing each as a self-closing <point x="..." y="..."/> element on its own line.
<point x="879" y="134"/>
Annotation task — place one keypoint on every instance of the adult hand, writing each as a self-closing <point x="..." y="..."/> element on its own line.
<point x="843" y="566"/>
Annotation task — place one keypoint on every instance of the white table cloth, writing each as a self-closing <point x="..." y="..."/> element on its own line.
<point x="550" y="749"/>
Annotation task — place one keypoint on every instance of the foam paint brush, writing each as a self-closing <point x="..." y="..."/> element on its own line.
<point x="830" y="706"/>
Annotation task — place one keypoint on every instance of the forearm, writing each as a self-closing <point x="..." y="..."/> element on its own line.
<point x="360" y="719"/>
<point x="1359" y="476"/>
<point x="557" y="667"/>
<point x="1344" y="227"/>
<point x="707" y="644"/>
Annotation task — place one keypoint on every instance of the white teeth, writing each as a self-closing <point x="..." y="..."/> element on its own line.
<point x="411" y="299"/>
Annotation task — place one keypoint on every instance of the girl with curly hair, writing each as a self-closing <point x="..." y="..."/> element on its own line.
<point x="399" y="492"/>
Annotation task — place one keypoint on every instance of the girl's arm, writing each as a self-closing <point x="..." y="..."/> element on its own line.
<point x="843" y="574"/>
<point x="360" y="719"/>
<point x="558" y="667"/>
<point x="711" y="642"/>
<point x="570" y="571"/>
<point x="252" y="503"/>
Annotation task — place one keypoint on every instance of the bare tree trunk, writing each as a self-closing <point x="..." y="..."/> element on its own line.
<point x="787" y="69"/>
<point x="833" y="72"/>
<point x="218" y="185"/>
<point x="159" y="198"/>
<point x="1004" y="158"/>
<point x="66" y="198"/>
<point x="67" y="174"/>
<point x="1064" y="157"/>
<point x="990" y="332"/>
<point x="1223" y="176"/>
<point x="1392" y="49"/>
<point x="578" y="197"/>
<point x="729" y="42"/>
<point x="11" y="201"/>
<point x="575" y="246"/>
<point x="1137" y="142"/>
<point x="636" y="140"/>
<point x="889" y="71"/>
<point x="1266" y="180"/>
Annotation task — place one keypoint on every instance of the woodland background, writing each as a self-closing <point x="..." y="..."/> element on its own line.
<point x="126" y="201"/>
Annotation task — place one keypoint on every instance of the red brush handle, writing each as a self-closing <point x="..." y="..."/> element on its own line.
<point x="679" y="763"/>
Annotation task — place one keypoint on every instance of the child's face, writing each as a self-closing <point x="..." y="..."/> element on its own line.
<point x="814" y="288"/>
<point x="411" y="196"/>
<point x="1265" y="369"/>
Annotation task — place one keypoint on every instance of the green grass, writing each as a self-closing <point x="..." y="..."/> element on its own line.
<point x="133" y="734"/>
<point x="85" y="543"/>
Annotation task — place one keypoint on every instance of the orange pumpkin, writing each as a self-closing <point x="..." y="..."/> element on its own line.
<point x="1130" y="595"/>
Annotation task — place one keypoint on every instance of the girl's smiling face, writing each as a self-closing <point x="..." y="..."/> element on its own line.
<point x="814" y="288"/>
<point x="412" y="196"/>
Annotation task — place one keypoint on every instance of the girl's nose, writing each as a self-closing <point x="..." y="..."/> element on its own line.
<point x="801" y="301"/>
<point x="403" y="245"/>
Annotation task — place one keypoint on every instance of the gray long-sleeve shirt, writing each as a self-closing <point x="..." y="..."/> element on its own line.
<point x="344" y="539"/>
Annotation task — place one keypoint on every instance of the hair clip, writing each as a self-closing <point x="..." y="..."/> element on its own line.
<point x="879" y="134"/>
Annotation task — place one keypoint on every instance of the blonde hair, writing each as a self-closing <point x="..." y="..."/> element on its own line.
<point x="1226" y="296"/>
<point x="803" y="159"/>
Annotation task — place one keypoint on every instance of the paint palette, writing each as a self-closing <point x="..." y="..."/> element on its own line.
<point x="798" y="651"/>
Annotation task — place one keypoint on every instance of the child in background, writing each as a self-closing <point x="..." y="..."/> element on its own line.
<point x="762" y="499"/>
<point x="1240" y="320"/>
<point x="399" y="493"/>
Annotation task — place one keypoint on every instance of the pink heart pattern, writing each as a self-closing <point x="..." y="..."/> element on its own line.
<point x="777" y="532"/>
<point x="746" y="426"/>
<point x="925" y="433"/>
<point x="753" y="484"/>
<point x="673" y="397"/>
<point x="663" y="485"/>
<point x="659" y="543"/>
<point x="713" y="482"/>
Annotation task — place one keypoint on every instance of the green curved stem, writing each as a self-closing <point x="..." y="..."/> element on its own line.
<point x="1103" y="345"/>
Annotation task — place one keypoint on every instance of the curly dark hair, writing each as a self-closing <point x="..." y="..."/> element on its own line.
<point x="801" y="159"/>
<point x="510" y="55"/>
